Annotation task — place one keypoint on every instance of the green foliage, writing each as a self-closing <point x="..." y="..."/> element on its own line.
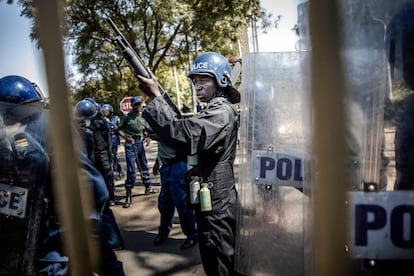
<point x="166" y="34"/>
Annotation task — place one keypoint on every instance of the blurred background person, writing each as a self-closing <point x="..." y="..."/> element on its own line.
<point x="132" y="128"/>
<point x="94" y="134"/>
<point x="113" y="121"/>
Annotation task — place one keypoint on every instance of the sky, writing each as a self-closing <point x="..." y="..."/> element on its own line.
<point x="282" y="38"/>
<point x="20" y="56"/>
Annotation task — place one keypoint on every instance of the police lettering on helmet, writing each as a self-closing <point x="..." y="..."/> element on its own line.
<point x="215" y="65"/>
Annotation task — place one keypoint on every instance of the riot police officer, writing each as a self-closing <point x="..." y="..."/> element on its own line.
<point x="113" y="120"/>
<point x="92" y="134"/>
<point x="25" y="181"/>
<point x="30" y="230"/>
<point x="84" y="111"/>
<point x="103" y="158"/>
<point x="210" y="139"/>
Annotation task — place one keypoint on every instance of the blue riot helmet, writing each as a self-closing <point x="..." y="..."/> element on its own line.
<point x="85" y="110"/>
<point x="97" y="105"/>
<point x="216" y="66"/>
<point x="16" y="91"/>
<point x="19" y="90"/>
<point x="107" y="109"/>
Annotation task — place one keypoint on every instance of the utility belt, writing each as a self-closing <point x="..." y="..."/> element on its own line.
<point x="214" y="192"/>
<point x="170" y="161"/>
<point x="136" y="137"/>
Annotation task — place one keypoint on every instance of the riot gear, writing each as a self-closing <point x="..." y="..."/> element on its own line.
<point x="97" y="105"/>
<point x="273" y="169"/>
<point x="18" y="90"/>
<point x="85" y="110"/>
<point x="26" y="205"/>
<point x="96" y="132"/>
<point x="113" y="123"/>
<point x="107" y="108"/>
<point x="215" y="65"/>
<point x="210" y="137"/>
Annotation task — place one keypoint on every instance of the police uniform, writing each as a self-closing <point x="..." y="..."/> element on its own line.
<point x="116" y="141"/>
<point x="30" y="235"/>
<point x="25" y="184"/>
<point x="212" y="135"/>
<point x="102" y="149"/>
<point x="133" y="126"/>
<point x="39" y="251"/>
<point x="98" y="146"/>
<point x="173" y="195"/>
<point x="110" y="265"/>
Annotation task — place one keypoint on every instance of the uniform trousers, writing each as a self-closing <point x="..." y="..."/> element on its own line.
<point x="173" y="196"/>
<point x="216" y="237"/>
<point x="136" y="158"/>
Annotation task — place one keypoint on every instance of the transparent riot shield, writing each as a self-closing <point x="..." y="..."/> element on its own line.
<point x="377" y="36"/>
<point x="380" y="225"/>
<point x="273" y="169"/>
<point x="24" y="167"/>
<point x="364" y="129"/>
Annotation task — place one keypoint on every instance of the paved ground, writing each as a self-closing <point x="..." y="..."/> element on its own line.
<point x="139" y="226"/>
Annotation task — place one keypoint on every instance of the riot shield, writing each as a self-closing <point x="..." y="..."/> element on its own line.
<point x="380" y="232"/>
<point x="273" y="169"/>
<point x="380" y="228"/>
<point x="24" y="167"/>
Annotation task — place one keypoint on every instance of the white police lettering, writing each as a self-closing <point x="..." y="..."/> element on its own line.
<point x="381" y="224"/>
<point x="13" y="200"/>
<point x="277" y="168"/>
<point x="200" y="65"/>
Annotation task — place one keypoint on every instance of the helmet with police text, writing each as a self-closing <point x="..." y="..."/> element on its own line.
<point x="85" y="110"/>
<point x="107" y="109"/>
<point x="19" y="90"/>
<point x="216" y="66"/>
<point x="135" y="100"/>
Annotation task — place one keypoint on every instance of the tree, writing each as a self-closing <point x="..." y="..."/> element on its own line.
<point x="164" y="33"/>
